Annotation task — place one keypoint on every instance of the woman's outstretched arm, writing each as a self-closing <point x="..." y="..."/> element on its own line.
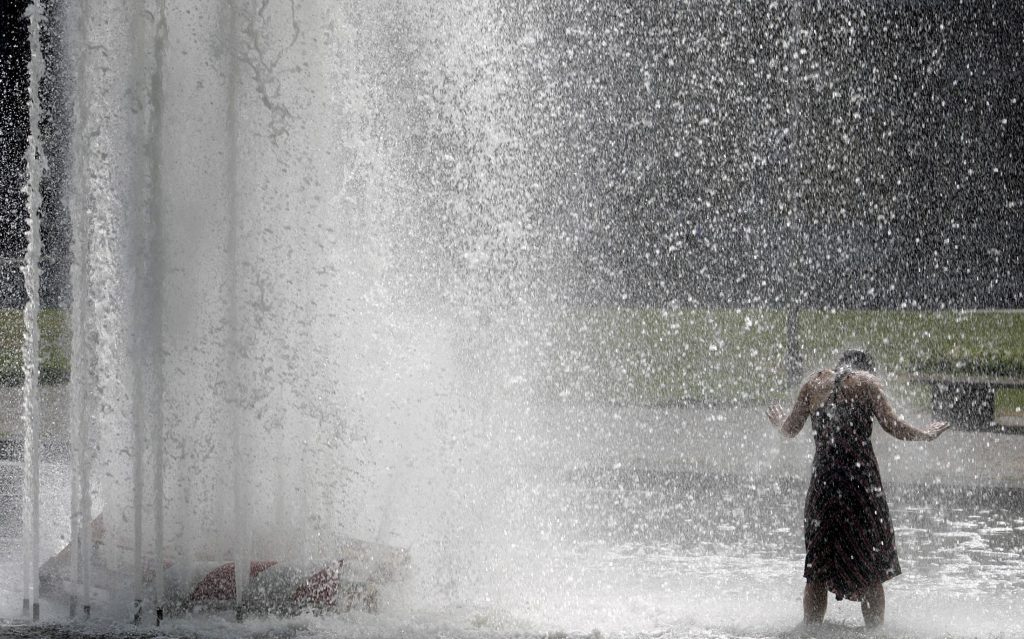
<point x="790" y="425"/>
<point x="895" y="425"/>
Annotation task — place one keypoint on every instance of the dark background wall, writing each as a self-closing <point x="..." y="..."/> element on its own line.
<point x="14" y="129"/>
<point x="828" y="154"/>
<point x="13" y="132"/>
<point x="704" y="153"/>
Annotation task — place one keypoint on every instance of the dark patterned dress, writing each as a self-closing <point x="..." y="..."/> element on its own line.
<point x="847" y="531"/>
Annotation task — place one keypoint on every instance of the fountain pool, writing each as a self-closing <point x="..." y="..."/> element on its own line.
<point x="313" y="288"/>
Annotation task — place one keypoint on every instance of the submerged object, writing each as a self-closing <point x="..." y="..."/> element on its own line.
<point x="350" y="581"/>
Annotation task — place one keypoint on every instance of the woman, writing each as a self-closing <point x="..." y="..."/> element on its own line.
<point x="847" y="530"/>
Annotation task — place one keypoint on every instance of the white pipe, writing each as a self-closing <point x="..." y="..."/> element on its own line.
<point x="233" y="382"/>
<point x="141" y="200"/>
<point x="82" y="353"/>
<point x="156" y="282"/>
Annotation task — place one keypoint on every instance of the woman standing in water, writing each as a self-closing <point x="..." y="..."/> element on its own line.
<point x="847" y="531"/>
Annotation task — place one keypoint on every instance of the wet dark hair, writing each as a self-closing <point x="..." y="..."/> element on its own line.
<point x="857" y="360"/>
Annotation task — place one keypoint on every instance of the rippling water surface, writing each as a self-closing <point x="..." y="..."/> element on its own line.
<point x="632" y="553"/>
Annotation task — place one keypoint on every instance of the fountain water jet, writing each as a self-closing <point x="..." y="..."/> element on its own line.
<point x="277" y="338"/>
<point x="35" y="158"/>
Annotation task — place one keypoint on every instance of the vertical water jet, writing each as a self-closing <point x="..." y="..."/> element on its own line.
<point x="35" y="160"/>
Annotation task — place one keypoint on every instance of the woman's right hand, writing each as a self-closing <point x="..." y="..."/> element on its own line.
<point x="933" y="430"/>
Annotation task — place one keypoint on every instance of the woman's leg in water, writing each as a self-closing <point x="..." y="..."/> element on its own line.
<point x="873" y="605"/>
<point x="815" y="601"/>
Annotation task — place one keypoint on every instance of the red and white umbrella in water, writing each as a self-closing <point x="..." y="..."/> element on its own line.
<point x="352" y="581"/>
<point x="287" y="587"/>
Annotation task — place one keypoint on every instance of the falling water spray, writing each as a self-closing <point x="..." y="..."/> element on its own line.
<point x="35" y="160"/>
<point x="254" y="237"/>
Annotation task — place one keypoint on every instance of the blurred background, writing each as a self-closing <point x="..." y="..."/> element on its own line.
<point x="730" y="183"/>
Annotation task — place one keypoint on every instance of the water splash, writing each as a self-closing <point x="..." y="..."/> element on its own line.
<point x="300" y="280"/>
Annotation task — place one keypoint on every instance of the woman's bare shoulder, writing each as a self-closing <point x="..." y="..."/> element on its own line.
<point x="820" y="379"/>
<point x="817" y="387"/>
<point x="864" y="384"/>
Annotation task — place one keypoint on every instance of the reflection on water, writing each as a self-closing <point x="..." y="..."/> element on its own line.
<point x="741" y="540"/>
<point x="970" y="538"/>
<point x="963" y="549"/>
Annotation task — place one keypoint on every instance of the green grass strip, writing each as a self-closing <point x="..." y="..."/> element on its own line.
<point x="54" y="345"/>
<point x="726" y="356"/>
<point x="657" y="357"/>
